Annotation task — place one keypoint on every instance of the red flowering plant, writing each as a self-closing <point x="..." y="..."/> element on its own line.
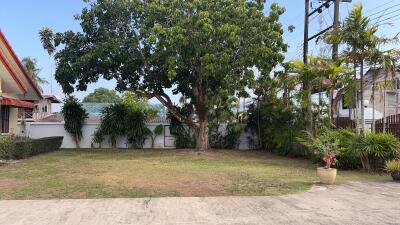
<point x="330" y="160"/>
<point x="323" y="147"/>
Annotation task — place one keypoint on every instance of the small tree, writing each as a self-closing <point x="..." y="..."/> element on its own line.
<point x="74" y="117"/>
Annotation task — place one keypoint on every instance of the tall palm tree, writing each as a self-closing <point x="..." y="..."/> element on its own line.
<point x="387" y="62"/>
<point x="359" y="36"/>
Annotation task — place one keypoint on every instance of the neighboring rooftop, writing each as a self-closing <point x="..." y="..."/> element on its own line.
<point x="52" y="98"/>
<point x="95" y="109"/>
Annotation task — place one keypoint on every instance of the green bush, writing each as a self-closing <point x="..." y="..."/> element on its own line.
<point x="22" y="147"/>
<point x="7" y="146"/>
<point x="393" y="166"/>
<point x="374" y="149"/>
<point x="277" y="127"/>
<point x="346" y="159"/>
<point x="119" y="120"/>
<point x="184" y="136"/>
<point x="228" y="140"/>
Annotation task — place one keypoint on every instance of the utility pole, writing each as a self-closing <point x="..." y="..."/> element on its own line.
<point x="306" y="24"/>
<point x="336" y="25"/>
<point x="335" y="47"/>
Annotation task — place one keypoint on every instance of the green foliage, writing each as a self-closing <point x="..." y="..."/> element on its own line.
<point x="232" y="138"/>
<point x="323" y="144"/>
<point x="136" y="129"/>
<point x="277" y="127"/>
<point x="22" y="147"/>
<point x="151" y="46"/>
<point x="133" y="102"/>
<point x="158" y="130"/>
<point x="7" y="146"/>
<point x="184" y="135"/>
<point x="119" y="120"/>
<point x="112" y="124"/>
<point x="375" y="148"/>
<point x="30" y="65"/>
<point x="74" y="117"/>
<point x="369" y="151"/>
<point x="102" y="95"/>
<point x="393" y="166"/>
<point x="228" y="139"/>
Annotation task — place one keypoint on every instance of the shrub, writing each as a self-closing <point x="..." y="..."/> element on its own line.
<point x="7" y="146"/>
<point x="346" y="159"/>
<point x="393" y="166"/>
<point x="136" y="129"/>
<point x="184" y="136"/>
<point x="22" y="147"/>
<point x="323" y="147"/>
<point x="277" y="127"/>
<point x="120" y="119"/>
<point x="374" y="149"/>
<point x="74" y="116"/>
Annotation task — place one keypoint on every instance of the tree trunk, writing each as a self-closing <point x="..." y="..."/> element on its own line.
<point x="356" y="118"/>
<point x="384" y="107"/>
<point x="309" y="110"/>
<point x="201" y="105"/>
<point x="202" y="134"/>
<point x="373" y="102"/>
<point x="362" y="96"/>
<point x="76" y="139"/>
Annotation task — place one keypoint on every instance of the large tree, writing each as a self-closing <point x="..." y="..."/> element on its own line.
<point x="196" y="48"/>
<point x="102" y="95"/>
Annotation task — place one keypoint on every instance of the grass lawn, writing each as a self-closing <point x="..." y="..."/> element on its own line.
<point x="111" y="173"/>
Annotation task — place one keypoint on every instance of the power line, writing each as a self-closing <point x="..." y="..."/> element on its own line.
<point x="383" y="11"/>
<point x="386" y="14"/>
<point x="379" y="6"/>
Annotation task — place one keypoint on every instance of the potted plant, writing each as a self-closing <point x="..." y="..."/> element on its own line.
<point x="393" y="167"/>
<point x="324" y="147"/>
<point x="327" y="174"/>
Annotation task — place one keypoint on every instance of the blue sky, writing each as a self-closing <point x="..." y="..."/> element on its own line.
<point x="20" y="20"/>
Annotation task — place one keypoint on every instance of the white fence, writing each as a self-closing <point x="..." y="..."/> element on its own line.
<point x="48" y="129"/>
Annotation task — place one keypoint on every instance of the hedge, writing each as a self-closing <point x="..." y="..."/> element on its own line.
<point x="21" y="147"/>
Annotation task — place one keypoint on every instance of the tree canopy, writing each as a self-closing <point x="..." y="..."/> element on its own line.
<point x="102" y="95"/>
<point x="197" y="48"/>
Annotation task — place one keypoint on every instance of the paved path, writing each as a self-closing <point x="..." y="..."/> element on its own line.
<point x="354" y="203"/>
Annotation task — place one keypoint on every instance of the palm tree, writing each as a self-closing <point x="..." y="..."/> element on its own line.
<point x="359" y="36"/>
<point x="311" y="73"/>
<point x="30" y="65"/>
<point x="387" y="62"/>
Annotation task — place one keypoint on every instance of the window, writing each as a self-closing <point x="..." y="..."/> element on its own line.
<point x="391" y="99"/>
<point x="4" y="119"/>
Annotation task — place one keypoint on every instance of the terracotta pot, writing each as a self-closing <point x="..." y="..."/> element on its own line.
<point x="326" y="176"/>
<point x="396" y="176"/>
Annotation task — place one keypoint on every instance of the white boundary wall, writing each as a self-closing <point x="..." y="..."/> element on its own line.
<point x="48" y="129"/>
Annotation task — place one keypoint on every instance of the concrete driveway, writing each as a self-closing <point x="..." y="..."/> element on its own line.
<point x="353" y="203"/>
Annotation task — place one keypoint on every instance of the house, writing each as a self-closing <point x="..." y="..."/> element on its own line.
<point x="17" y="89"/>
<point x="42" y="110"/>
<point x="375" y="104"/>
